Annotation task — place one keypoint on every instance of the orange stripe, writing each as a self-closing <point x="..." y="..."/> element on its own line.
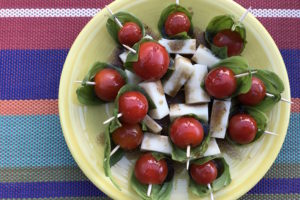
<point x="28" y="107"/>
<point x="296" y="105"/>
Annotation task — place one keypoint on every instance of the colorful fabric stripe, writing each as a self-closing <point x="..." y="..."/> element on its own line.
<point x="286" y="4"/>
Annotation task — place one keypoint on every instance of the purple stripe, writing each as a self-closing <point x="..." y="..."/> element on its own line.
<point x="49" y="189"/>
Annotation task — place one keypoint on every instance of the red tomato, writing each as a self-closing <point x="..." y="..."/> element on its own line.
<point x="230" y="39"/>
<point x="108" y="82"/>
<point x="130" y="34"/>
<point x="177" y="22"/>
<point x="204" y="174"/>
<point x="186" y="131"/>
<point x="150" y="171"/>
<point x="153" y="61"/>
<point x="128" y="136"/>
<point x="256" y="93"/>
<point x="220" y="83"/>
<point x="133" y="106"/>
<point x="242" y="128"/>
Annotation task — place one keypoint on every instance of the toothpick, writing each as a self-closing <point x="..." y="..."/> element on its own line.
<point x="210" y="191"/>
<point x="188" y="155"/>
<point x="149" y="190"/>
<point x="244" y="74"/>
<point x="116" y="19"/>
<point x="114" y="150"/>
<point x="282" y="99"/>
<point x="88" y="82"/>
<point x="129" y="48"/>
<point x="177" y="2"/>
<point x="241" y="19"/>
<point x="112" y="118"/>
<point x="270" y="133"/>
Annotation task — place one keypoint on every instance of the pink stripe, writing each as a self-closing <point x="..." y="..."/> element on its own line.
<point x="54" y="4"/>
<point x="271" y="4"/>
<point x="29" y="107"/>
<point x="296" y="105"/>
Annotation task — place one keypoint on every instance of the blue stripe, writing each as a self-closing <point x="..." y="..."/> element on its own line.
<point x="30" y="74"/>
<point x="49" y="190"/>
<point x="33" y="141"/>
<point x="35" y="74"/>
<point x="277" y="186"/>
<point x="291" y="58"/>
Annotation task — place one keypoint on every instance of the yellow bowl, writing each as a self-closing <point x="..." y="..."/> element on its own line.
<point x="82" y="125"/>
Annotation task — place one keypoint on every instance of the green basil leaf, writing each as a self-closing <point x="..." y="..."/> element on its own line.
<point x="85" y="93"/>
<point x="158" y="156"/>
<point x="158" y="192"/>
<point x="144" y="126"/>
<point x="218" y="24"/>
<point x="238" y="65"/>
<point x="113" y="28"/>
<point x="165" y="14"/>
<point x="222" y="180"/>
<point x="116" y="157"/>
<point x="268" y="103"/>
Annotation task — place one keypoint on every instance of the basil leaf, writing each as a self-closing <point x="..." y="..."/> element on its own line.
<point x="113" y="28"/>
<point x="218" y="24"/>
<point x="164" y="16"/>
<point x="158" y="156"/>
<point x="126" y="88"/>
<point x="158" y="192"/>
<point x="238" y="65"/>
<point x="85" y="93"/>
<point x="268" y="103"/>
<point x="222" y="180"/>
<point x="116" y="157"/>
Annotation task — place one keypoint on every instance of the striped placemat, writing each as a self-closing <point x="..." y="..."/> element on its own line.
<point x="35" y="36"/>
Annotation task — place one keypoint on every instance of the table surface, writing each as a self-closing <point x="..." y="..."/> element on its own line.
<point x="35" y="36"/>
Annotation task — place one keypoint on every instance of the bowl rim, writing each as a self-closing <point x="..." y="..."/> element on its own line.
<point x="74" y="146"/>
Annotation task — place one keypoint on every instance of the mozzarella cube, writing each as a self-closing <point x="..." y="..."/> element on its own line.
<point x="157" y="143"/>
<point x="123" y="56"/>
<point x="204" y="56"/>
<point x="187" y="46"/>
<point x="212" y="149"/>
<point x="152" y="125"/>
<point x="178" y="110"/>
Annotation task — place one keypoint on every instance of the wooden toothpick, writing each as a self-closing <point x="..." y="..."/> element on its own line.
<point x="129" y="48"/>
<point x="241" y="19"/>
<point x="115" y="18"/>
<point x="88" y="82"/>
<point x="188" y="155"/>
<point x="112" y="118"/>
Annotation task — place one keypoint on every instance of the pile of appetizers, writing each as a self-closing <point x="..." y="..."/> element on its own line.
<point x="224" y="99"/>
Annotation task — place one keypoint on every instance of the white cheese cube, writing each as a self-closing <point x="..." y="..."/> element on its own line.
<point x="148" y="37"/>
<point x="213" y="148"/>
<point x="219" y="118"/>
<point x="193" y="90"/>
<point x="157" y="143"/>
<point x="204" y="56"/>
<point x="156" y="93"/>
<point x="152" y="125"/>
<point x="178" y="110"/>
<point x="179" y="46"/>
<point x="183" y="71"/>
<point x="123" y="56"/>
<point x="132" y="77"/>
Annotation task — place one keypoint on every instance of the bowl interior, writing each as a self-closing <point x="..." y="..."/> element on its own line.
<point x="82" y="125"/>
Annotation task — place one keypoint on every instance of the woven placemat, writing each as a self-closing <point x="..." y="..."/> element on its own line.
<point x="35" y="36"/>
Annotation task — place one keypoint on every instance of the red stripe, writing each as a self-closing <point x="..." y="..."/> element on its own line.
<point x="29" y="107"/>
<point x="296" y="105"/>
<point x="271" y="4"/>
<point x="54" y="4"/>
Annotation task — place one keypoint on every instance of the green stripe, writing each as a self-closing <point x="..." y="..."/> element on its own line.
<point x="270" y="196"/>
<point x="284" y="171"/>
<point x="41" y="174"/>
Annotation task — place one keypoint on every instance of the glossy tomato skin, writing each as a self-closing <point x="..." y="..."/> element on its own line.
<point x="177" y="22"/>
<point x="186" y="131"/>
<point x="255" y="95"/>
<point x="205" y="173"/>
<point x="220" y="83"/>
<point x="133" y="106"/>
<point x="230" y="39"/>
<point x="150" y="171"/>
<point x="242" y="128"/>
<point x="128" y="136"/>
<point x="130" y="34"/>
<point x="153" y="61"/>
<point x="108" y="83"/>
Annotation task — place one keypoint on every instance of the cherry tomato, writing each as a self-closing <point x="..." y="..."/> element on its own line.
<point x="128" y="136"/>
<point x="256" y="93"/>
<point x="220" y="83"/>
<point x="153" y="61"/>
<point x="133" y="106"/>
<point x="186" y="131"/>
<point x="177" y="22"/>
<point x="108" y="82"/>
<point x="230" y="39"/>
<point x="150" y="171"/>
<point x="205" y="173"/>
<point x="130" y="34"/>
<point x="242" y="128"/>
